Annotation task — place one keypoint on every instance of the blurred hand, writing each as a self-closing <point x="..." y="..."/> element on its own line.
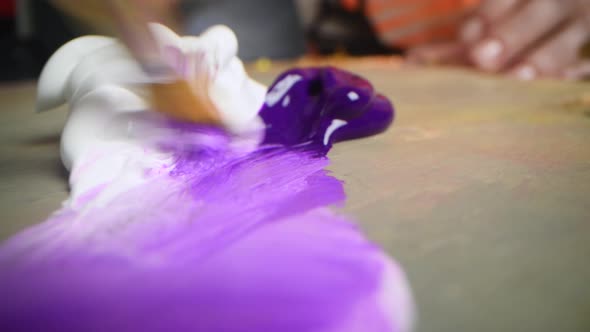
<point x="526" y="38"/>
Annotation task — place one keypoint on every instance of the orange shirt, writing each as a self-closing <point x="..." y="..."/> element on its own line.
<point x="406" y="23"/>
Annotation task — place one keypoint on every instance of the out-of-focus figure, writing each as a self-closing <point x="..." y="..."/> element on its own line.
<point x="527" y="38"/>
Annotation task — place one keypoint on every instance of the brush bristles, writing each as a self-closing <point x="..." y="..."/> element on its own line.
<point x="186" y="101"/>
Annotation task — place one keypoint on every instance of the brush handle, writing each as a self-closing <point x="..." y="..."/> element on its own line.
<point x="132" y="25"/>
<point x="179" y="97"/>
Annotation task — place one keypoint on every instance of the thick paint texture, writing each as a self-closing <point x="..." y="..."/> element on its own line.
<point x="321" y="106"/>
<point x="221" y="235"/>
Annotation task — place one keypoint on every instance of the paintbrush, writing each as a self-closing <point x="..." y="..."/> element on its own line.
<point x="170" y="93"/>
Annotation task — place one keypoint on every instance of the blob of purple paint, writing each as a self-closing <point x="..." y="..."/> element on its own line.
<point x="323" y="106"/>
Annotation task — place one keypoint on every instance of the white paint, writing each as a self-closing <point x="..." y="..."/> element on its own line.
<point x="286" y="101"/>
<point x="103" y="86"/>
<point x="336" y="123"/>
<point x="353" y="96"/>
<point x="395" y="298"/>
<point x="281" y="88"/>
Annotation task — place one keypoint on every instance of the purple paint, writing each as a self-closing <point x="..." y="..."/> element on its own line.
<point x="224" y="241"/>
<point x="316" y="98"/>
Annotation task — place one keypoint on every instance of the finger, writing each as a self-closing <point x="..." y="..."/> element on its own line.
<point x="518" y="32"/>
<point x="577" y="71"/>
<point x="558" y="53"/>
<point x="495" y="10"/>
<point x="488" y="12"/>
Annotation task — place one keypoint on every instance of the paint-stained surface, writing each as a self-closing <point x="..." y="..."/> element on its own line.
<point x="481" y="189"/>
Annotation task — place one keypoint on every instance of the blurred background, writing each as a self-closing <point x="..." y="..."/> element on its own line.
<point x="31" y="30"/>
<point x="525" y="38"/>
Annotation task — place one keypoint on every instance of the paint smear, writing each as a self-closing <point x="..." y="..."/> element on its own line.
<point x="222" y="239"/>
